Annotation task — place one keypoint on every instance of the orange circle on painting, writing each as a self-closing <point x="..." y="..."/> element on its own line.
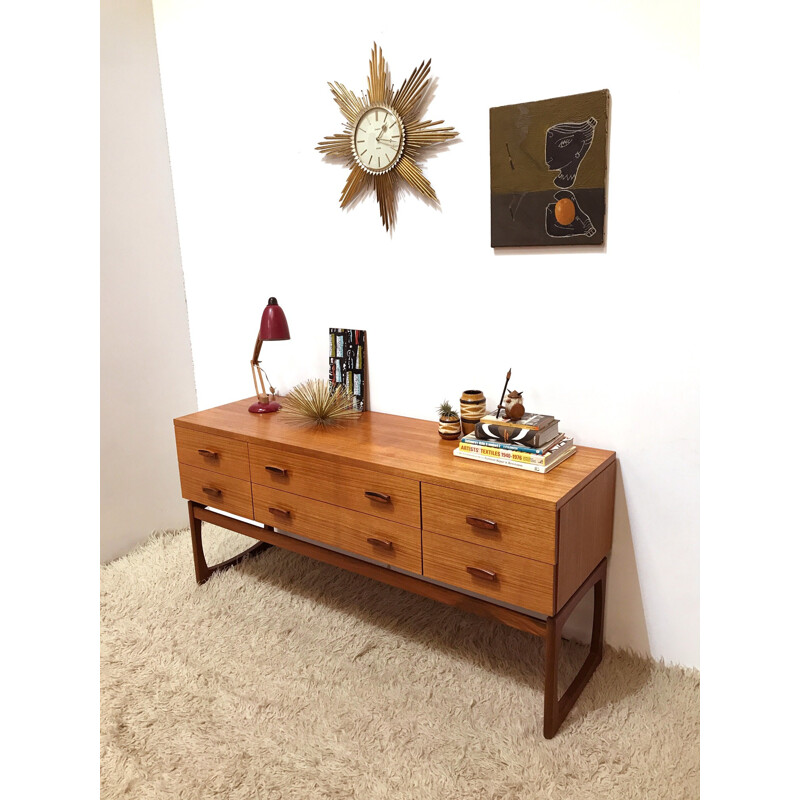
<point x="565" y="211"/>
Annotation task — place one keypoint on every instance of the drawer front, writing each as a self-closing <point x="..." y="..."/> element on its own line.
<point x="219" y="491"/>
<point x="215" y="453"/>
<point x="376" y="493"/>
<point x="510" y="527"/>
<point x="364" y="535"/>
<point x="502" y="576"/>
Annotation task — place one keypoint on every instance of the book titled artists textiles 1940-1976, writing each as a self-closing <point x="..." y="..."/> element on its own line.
<point x="491" y="446"/>
<point x="563" y="453"/>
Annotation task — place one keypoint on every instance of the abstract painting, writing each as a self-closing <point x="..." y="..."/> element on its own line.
<point x="549" y="171"/>
<point x="348" y="363"/>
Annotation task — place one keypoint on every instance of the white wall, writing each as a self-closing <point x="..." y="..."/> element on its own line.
<point x="146" y="362"/>
<point x="610" y="345"/>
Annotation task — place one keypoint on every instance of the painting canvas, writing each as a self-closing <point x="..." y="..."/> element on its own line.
<point x="348" y="363"/>
<point x="549" y="171"/>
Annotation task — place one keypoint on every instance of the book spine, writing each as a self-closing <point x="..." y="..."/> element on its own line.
<point x="509" y="434"/>
<point x="501" y="453"/>
<point x="505" y="462"/>
<point x="504" y="423"/>
<point x="516" y="423"/>
<point x="537" y="451"/>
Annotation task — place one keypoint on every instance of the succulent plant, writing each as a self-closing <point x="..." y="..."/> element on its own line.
<point x="446" y="411"/>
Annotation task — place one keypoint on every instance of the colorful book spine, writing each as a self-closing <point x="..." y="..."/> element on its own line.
<point x="515" y="454"/>
<point x="496" y="444"/>
<point x="506" y="462"/>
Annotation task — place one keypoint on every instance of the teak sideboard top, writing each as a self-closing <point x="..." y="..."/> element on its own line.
<point x="406" y="447"/>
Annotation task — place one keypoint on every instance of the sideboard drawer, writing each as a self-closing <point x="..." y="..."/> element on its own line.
<point x="364" y="535"/>
<point x="519" y="581"/>
<point x="219" y="491"/>
<point x="215" y="453"/>
<point x="514" y="528"/>
<point x="376" y="493"/>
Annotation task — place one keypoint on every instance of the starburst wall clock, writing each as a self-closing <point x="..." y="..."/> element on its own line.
<point x="383" y="136"/>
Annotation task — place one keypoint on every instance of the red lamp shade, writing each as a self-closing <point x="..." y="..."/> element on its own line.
<point x="273" y="323"/>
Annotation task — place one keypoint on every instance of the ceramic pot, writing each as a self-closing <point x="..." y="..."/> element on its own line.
<point x="449" y="428"/>
<point x="473" y="407"/>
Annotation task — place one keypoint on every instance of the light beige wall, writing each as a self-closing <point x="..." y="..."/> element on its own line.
<point x="147" y="376"/>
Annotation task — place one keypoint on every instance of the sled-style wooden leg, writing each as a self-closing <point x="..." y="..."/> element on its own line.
<point x="555" y="709"/>
<point x="201" y="569"/>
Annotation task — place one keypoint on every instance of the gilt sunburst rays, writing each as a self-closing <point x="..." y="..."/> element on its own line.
<point x="407" y="106"/>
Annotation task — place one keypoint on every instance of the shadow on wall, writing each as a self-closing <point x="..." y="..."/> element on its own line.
<point x="625" y="619"/>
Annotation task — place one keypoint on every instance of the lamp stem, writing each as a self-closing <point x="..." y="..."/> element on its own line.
<point x="261" y="372"/>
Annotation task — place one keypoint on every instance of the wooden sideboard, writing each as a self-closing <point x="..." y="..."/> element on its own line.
<point x="384" y="496"/>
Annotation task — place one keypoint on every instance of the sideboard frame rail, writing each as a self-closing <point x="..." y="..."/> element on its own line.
<point x="555" y="708"/>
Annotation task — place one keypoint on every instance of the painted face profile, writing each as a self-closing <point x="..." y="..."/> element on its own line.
<point x="565" y="146"/>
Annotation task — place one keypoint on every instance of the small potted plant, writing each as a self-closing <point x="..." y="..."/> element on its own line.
<point x="449" y="423"/>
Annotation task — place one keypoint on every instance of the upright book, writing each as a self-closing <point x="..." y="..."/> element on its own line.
<point x="347" y="363"/>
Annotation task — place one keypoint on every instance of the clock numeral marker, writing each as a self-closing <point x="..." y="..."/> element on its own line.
<point x="370" y="158"/>
<point x="359" y="141"/>
<point x="393" y="124"/>
<point x="363" y="151"/>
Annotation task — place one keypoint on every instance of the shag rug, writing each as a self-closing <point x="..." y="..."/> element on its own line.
<point x="287" y="679"/>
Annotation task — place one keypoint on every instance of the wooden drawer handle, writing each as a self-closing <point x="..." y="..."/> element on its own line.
<point x="384" y="543"/>
<point x="277" y="471"/>
<point x="213" y="492"/>
<point x="378" y="497"/>
<point x="281" y="511"/>
<point x="483" y="574"/>
<point x="208" y="454"/>
<point x="486" y="524"/>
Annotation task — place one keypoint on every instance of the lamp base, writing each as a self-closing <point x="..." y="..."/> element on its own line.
<point x="264" y="408"/>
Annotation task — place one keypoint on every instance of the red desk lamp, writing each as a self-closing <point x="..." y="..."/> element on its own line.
<point x="273" y="328"/>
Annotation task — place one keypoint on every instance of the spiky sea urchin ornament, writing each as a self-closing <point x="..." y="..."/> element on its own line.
<point x="315" y="403"/>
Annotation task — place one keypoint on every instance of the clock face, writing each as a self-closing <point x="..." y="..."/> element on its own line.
<point x="378" y="140"/>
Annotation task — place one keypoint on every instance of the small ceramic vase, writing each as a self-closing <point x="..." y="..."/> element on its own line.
<point x="449" y="427"/>
<point x="473" y="407"/>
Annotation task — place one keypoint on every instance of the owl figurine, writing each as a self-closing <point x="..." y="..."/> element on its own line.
<point x="513" y="405"/>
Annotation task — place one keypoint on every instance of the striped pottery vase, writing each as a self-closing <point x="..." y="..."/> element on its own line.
<point x="449" y="428"/>
<point x="473" y="407"/>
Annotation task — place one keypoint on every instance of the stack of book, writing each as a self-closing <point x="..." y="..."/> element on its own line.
<point x="532" y="442"/>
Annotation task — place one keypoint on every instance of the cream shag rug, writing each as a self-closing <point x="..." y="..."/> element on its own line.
<point x="284" y="678"/>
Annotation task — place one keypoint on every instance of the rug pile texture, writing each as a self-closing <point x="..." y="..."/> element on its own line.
<point x="287" y="679"/>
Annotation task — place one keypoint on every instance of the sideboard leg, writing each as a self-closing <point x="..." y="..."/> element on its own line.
<point x="555" y="709"/>
<point x="201" y="569"/>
